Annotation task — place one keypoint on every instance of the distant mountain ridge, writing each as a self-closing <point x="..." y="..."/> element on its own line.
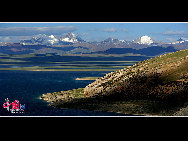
<point x="42" y="44"/>
<point x="71" y="38"/>
<point x="149" y="51"/>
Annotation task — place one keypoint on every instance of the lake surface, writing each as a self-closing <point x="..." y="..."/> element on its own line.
<point x="28" y="86"/>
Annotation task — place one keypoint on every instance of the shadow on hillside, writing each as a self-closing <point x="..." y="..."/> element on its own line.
<point x="120" y="104"/>
<point x="157" y="94"/>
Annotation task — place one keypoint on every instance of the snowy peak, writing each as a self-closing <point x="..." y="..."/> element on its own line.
<point x="144" y="40"/>
<point x="52" y="39"/>
<point x="43" y="39"/>
<point x="71" y="37"/>
<point x="113" y="41"/>
<point x="179" y="41"/>
<point x="39" y="38"/>
<point x="110" y="40"/>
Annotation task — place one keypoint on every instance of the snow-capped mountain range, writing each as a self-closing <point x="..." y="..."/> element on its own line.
<point x="43" y="39"/>
<point x="71" y="43"/>
<point x="179" y="41"/>
<point x="114" y="41"/>
<point x="71" y="38"/>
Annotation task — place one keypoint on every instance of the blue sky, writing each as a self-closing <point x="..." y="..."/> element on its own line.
<point x="166" y="32"/>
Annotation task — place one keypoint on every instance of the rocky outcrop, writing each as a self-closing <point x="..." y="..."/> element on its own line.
<point x="63" y="96"/>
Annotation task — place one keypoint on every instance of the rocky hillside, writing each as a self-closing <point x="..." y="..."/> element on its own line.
<point x="159" y="77"/>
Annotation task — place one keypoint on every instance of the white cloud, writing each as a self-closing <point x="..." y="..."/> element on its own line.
<point x="83" y="34"/>
<point x="14" y="38"/>
<point x="124" y="30"/>
<point x="28" y="31"/>
<point x="4" y="39"/>
<point x="176" y="33"/>
<point x="170" y="39"/>
<point x="110" y="30"/>
<point x="93" y="29"/>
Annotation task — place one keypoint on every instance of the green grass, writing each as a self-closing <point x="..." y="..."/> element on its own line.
<point x="87" y="78"/>
<point x="18" y="60"/>
<point x="37" y="68"/>
<point x="11" y="60"/>
<point x="175" y="74"/>
<point x="63" y="66"/>
<point x="107" y="61"/>
<point x="103" y="55"/>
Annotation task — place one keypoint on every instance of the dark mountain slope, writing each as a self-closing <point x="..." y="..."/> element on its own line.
<point x="149" y="51"/>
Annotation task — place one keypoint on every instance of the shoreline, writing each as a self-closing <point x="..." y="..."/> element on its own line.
<point x="87" y="78"/>
<point x="76" y="99"/>
<point x="60" y="70"/>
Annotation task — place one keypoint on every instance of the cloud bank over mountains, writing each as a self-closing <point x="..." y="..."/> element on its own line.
<point x="176" y="33"/>
<point x="29" y="31"/>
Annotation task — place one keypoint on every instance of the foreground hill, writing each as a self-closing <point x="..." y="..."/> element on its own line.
<point x="143" y="77"/>
<point x="156" y="86"/>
